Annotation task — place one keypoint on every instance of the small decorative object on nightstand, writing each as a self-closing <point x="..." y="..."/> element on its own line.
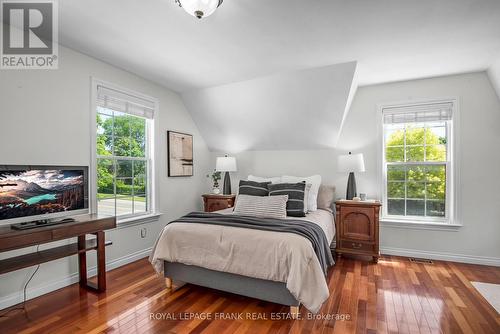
<point x="357" y="225"/>
<point x="215" y="179"/>
<point x="218" y="202"/>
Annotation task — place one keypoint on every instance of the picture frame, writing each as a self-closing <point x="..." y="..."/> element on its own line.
<point x="180" y="154"/>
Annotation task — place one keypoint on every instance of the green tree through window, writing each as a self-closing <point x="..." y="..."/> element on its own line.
<point x="416" y="156"/>
<point x="121" y="162"/>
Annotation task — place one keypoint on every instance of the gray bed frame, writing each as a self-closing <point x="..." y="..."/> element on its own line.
<point x="271" y="291"/>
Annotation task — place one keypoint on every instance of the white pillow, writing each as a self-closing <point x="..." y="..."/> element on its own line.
<point x="315" y="181"/>
<point x="254" y="178"/>
<point x="261" y="206"/>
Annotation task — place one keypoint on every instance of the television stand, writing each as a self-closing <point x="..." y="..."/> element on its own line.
<point x="41" y="223"/>
<point x="11" y="239"/>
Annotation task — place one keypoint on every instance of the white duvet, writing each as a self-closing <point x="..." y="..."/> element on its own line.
<point x="276" y="256"/>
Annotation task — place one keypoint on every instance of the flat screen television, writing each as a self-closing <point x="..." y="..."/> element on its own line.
<point x="29" y="193"/>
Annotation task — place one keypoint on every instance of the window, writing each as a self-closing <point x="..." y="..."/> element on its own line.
<point x="417" y="161"/>
<point x="123" y="153"/>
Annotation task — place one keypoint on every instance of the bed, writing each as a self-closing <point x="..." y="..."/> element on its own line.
<point x="268" y="265"/>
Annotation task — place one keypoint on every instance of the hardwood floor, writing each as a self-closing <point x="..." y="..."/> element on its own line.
<point x="392" y="296"/>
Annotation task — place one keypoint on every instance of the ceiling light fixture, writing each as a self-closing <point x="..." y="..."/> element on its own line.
<point x="199" y="8"/>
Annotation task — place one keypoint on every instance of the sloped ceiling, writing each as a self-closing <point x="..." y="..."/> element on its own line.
<point x="227" y="65"/>
<point x="293" y="110"/>
<point x="244" y="39"/>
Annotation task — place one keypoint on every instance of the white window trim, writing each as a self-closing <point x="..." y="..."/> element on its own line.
<point x="153" y="214"/>
<point x="450" y="223"/>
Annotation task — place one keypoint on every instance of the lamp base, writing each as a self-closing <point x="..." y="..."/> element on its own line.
<point x="227" y="184"/>
<point x="351" y="187"/>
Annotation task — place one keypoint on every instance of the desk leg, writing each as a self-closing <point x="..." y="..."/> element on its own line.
<point x="101" y="262"/>
<point x="82" y="261"/>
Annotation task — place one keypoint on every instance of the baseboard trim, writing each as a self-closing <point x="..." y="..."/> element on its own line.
<point x="36" y="291"/>
<point x="483" y="260"/>
<point x="462" y="258"/>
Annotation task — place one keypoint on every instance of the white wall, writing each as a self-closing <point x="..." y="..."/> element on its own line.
<point x="478" y="240"/>
<point x="479" y="164"/>
<point x="45" y="119"/>
<point x="494" y="75"/>
<point x="275" y="163"/>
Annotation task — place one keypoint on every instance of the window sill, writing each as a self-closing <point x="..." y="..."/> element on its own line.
<point x="419" y="225"/>
<point x="138" y="220"/>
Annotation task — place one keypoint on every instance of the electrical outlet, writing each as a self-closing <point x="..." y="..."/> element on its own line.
<point x="143" y="232"/>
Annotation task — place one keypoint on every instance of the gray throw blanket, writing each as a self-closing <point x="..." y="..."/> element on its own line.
<point x="308" y="230"/>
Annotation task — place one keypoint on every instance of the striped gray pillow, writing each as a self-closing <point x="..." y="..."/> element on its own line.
<point x="261" y="206"/>
<point x="295" y="192"/>
<point x="253" y="188"/>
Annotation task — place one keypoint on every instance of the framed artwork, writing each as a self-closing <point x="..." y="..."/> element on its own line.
<point x="180" y="154"/>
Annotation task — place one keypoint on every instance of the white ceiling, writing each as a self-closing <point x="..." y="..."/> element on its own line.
<point x="279" y="74"/>
<point x="294" y="110"/>
<point x="390" y="39"/>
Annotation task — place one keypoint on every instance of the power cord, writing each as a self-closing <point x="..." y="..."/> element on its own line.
<point x="23" y="307"/>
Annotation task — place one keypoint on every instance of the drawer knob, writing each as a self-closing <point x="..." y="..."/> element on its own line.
<point x="354" y="245"/>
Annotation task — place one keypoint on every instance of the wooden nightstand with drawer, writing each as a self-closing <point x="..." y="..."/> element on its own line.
<point x="357" y="228"/>
<point x="214" y="202"/>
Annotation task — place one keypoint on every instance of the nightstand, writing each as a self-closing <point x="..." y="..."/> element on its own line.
<point x="214" y="202"/>
<point x="357" y="226"/>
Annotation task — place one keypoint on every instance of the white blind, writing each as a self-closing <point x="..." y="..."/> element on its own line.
<point x="428" y="112"/>
<point x="123" y="102"/>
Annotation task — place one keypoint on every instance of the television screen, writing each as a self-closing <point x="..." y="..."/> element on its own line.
<point x="26" y="192"/>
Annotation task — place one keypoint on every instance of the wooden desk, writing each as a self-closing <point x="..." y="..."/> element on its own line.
<point x="11" y="239"/>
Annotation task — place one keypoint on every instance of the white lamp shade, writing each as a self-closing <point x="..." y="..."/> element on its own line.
<point x="207" y="7"/>
<point x="351" y="163"/>
<point x="226" y="164"/>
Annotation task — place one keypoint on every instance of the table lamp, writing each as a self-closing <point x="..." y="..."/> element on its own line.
<point x="226" y="164"/>
<point x="351" y="163"/>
